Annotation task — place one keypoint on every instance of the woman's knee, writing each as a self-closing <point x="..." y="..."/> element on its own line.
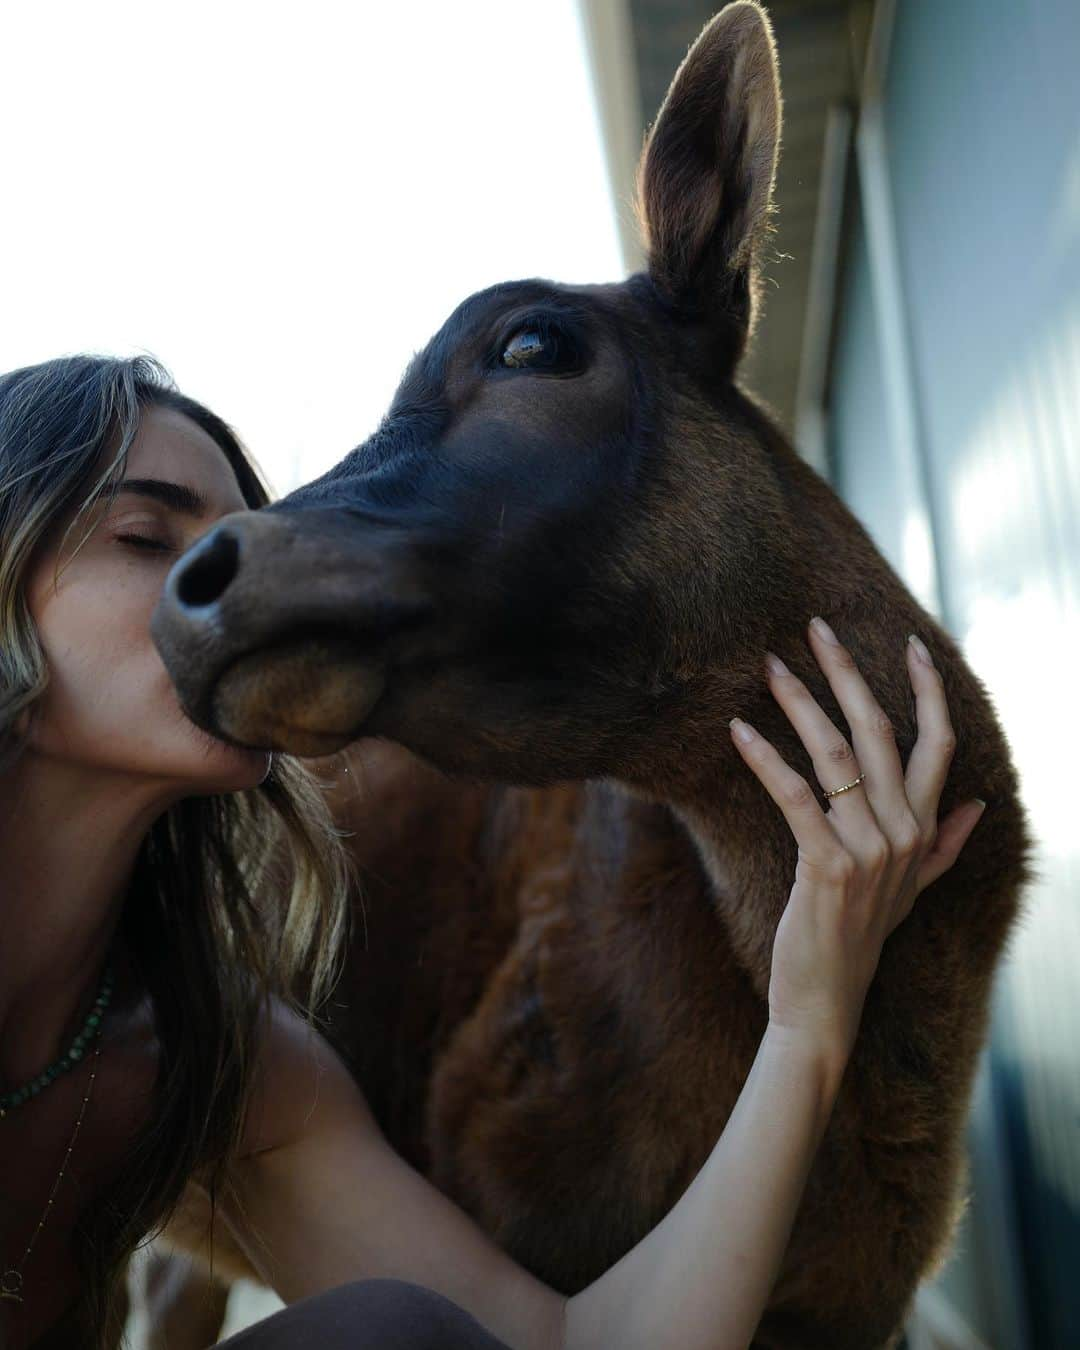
<point x="365" y="1314"/>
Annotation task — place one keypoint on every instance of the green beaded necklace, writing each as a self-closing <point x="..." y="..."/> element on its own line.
<point x="67" y="1061"/>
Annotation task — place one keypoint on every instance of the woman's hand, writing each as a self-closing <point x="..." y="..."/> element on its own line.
<point x="862" y="861"/>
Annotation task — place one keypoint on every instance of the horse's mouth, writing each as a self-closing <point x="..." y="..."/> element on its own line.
<point x="307" y="697"/>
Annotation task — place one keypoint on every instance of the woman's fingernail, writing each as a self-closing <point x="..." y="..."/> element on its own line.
<point x="821" y="627"/>
<point x="774" y="665"/>
<point x="980" y="803"/>
<point x="741" y="731"/>
<point x="921" y="650"/>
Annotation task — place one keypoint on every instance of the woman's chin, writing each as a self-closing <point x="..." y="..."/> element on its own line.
<point x="257" y="764"/>
<point x="222" y="767"/>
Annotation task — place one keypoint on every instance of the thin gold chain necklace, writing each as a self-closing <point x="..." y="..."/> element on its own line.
<point x="12" y="1279"/>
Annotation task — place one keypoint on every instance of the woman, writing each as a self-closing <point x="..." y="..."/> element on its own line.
<point x="163" y="892"/>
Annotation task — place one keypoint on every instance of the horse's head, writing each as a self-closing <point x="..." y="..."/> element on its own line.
<point x="568" y="514"/>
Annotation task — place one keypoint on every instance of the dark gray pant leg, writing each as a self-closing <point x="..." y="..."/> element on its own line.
<point x="368" y="1315"/>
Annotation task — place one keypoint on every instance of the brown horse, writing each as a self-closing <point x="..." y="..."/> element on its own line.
<point x="544" y="586"/>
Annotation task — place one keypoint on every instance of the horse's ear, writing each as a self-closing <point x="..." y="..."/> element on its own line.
<point x="706" y="174"/>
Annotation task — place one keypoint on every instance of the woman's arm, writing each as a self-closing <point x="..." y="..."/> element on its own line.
<point x="337" y="1203"/>
<point x="331" y="1201"/>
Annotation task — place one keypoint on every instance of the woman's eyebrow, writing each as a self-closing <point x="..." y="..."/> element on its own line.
<point x="174" y="495"/>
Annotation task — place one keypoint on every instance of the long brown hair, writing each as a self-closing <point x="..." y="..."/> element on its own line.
<point x="236" y="898"/>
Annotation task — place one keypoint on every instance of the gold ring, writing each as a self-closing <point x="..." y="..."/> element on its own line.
<point x="847" y="786"/>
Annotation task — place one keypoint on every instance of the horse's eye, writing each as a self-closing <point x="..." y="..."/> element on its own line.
<point x="540" y="349"/>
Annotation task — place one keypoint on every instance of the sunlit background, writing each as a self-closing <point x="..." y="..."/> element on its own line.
<point x="283" y="202"/>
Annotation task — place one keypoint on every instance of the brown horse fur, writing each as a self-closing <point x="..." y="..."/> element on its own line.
<point x="555" y="587"/>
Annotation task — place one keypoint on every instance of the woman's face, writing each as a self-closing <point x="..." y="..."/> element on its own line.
<point x="110" y="704"/>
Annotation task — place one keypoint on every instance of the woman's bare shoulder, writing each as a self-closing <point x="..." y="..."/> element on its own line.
<point x="297" y="1076"/>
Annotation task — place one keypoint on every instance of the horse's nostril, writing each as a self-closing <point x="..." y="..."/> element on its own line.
<point x="207" y="576"/>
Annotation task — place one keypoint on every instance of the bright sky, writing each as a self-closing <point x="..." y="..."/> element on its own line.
<point x="282" y="201"/>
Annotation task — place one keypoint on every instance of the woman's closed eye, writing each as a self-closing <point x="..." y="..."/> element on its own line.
<point x="145" y="543"/>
